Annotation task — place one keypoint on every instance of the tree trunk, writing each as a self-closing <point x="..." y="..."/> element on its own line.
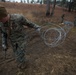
<point x="27" y="1"/>
<point x="48" y="8"/>
<point x="70" y="6"/>
<point x="52" y="12"/>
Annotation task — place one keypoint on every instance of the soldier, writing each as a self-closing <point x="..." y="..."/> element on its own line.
<point x="13" y="26"/>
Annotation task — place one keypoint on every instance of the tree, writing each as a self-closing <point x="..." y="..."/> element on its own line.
<point x="21" y="1"/>
<point x="52" y="12"/>
<point x="27" y="1"/>
<point x="41" y="2"/>
<point x="70" y="6"/>
<point x="24" y="1"/>
<point x="32" y="1"/>
<point x="74" y="5"/>
<point x="38" y="1"/>
<point x="45" y="1"/>
<point x="48" y="8"/>
<point x="63" y="2"/>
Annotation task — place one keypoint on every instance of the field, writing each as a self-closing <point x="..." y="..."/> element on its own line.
<point x="43" y="60"/>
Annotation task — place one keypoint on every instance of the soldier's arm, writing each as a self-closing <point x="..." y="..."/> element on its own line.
<point x="29" y="23"/>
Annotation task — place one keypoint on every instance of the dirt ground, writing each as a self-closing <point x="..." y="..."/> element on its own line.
<point x="43" y="60"/>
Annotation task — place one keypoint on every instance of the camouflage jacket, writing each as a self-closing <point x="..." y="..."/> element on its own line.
<point x="17" y="23"/>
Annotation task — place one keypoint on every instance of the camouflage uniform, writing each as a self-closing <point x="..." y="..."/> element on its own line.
<point x="18" y="36"/>
<point x="4" y="36"/>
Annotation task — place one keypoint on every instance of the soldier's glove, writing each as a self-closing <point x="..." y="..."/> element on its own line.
<point x="4" y="47"/>
<point x="38" y="29"/>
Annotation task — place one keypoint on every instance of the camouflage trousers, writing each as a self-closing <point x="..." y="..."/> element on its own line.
<point x="19" y="44"/>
